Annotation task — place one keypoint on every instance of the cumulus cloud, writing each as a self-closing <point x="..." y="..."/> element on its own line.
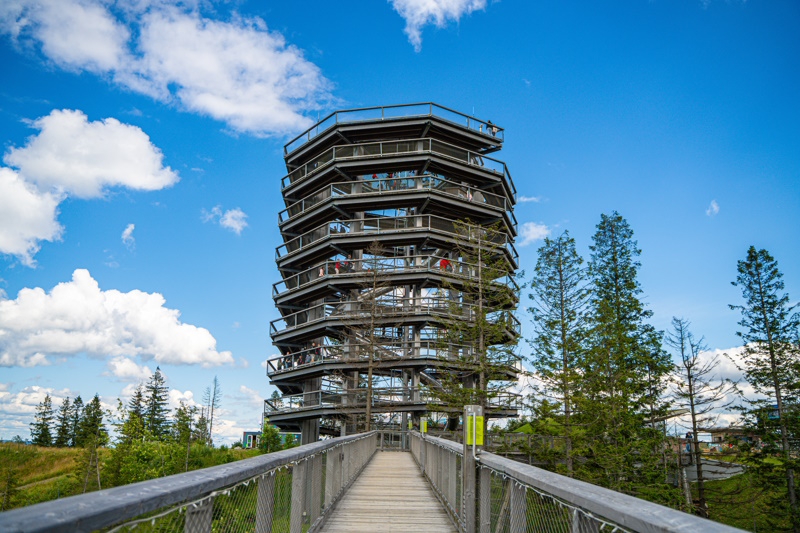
<point x="712" y="209"/>
<point x="236" y="71"/>
<point x="27" y="217"/>
<point x="18" y="407"/>
<point x="78" y="317"/>
<point x="125" y="369"/>
<point x="127" y="237"/>
<point x="530" y="232"/>
<point x="73" y="34"/>
<point x="232" y="219"/>
<point x="177" y="397"/>
<point x="72" y="155"/>
<point x="525" y="199"/>
<point x="420" y="13"/>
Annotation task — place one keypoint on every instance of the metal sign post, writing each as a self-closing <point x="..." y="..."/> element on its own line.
<point x="472" y="424"/>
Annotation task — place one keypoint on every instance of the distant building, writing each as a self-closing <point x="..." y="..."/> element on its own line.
<point x="250" y="439"/>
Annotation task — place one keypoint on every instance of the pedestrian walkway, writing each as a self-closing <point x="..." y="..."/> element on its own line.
<point x="390" y="495"/>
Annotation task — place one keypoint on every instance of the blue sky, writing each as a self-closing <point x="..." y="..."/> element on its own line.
<point x="683" y="116"/>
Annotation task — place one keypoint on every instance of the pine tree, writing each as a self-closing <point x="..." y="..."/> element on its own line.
<point x="623" y="367"/>
<point x="63" y="424"/>
<point x="41" y="434"/>
<point x="155" y="410"/>
<point x="75" y="423"/>
<point x="559" y="311"/>
<point x="771" y="359"/>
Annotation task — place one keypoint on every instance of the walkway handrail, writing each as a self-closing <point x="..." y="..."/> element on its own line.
<point x="364" y="267"/>
<point x="389" y="307"/>
<point x="519" y="493"/>
<point x="387" y="112"/>
<point x="395" y="184"/>
<point x="380" y="149"/>
<point x="383" y="225"/>
<point x="96" y="510"/>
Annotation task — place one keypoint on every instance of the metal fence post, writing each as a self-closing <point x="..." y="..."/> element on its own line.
<point x="298" y="496"/>
<point x="452" y="475"/>
<point x="316" y="488"/>
<point x="473" y="415"/>
<point x="198" y="517"/>
<point x="330" y="469"/>
<point x="518" y="508"/>
<point x="485" y="501"/>
<point x="265" y="502"/>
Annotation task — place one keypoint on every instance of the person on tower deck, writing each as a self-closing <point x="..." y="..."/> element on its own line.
<point x="444" y="265"/>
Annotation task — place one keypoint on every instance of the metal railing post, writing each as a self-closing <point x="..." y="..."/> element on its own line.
<point x="298" y="496"/>
<point x="198" y="517"/>
<point x="485" y="502"/>
<point x="316" y="489"/>
<point x="265" y="503"/>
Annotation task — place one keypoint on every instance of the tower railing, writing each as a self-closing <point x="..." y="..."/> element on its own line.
<point x="388" y="186"/>
<point x="426" y="109"/>
<point x="380" y="150"/>
<point x="383" y="267"/>
<point x="386" y="225"/>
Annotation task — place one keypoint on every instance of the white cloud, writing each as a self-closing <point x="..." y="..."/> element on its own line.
<point x="713" y="208"/>
<point x="530" y="232"/>
<point x="237" y="71"/>
<point x="177" y="397"/>
<point x="18" y="408"/>
<point x="126" y="369"/>
<point x="127" y="237"/>
<point x="250" y="397"/>
<point x="419" y="13"/>
<point x="232" y="219"/>
<point x="77" y="317"/>
<point x="525" y="199"/>
<point x="71" y="156"/>
<point x="83" y="158"/>
<point x="74" y="34"/>
<point x="27" y="217"/>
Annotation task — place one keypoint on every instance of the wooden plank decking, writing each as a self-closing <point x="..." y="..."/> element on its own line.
<point x="390" y="495"/>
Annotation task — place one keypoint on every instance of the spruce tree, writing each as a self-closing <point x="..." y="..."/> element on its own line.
<point x="623" y="368"/>
<point x="63" y="424"/>
<point x="75" y="423"/>
<point x="559" y="311"/>
<point x="771" y="357"/>
<point x="155" y="407"/>
<point x="92" y="430"/>
<point x="41" y="434"/>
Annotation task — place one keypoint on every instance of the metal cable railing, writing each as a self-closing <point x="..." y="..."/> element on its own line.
<point x="381" y="396"/>
<point x="402" y="224"/>
<point x="288" y="490"/>
<point x="514" y="497"/>
<point x="399" y="182"/>
<point x="364" y="114"/>
<point x="383" y="267"/>
<point x="394" y="148"/>
<point x="392" y="307"/>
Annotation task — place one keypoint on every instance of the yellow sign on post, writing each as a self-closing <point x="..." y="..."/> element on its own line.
<point x="410" y="424"/>
<point x="476" y="430"/>
<point x="423" y="426"/>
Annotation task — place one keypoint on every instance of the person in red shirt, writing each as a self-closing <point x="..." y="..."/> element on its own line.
<point x="444" y="264"/>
